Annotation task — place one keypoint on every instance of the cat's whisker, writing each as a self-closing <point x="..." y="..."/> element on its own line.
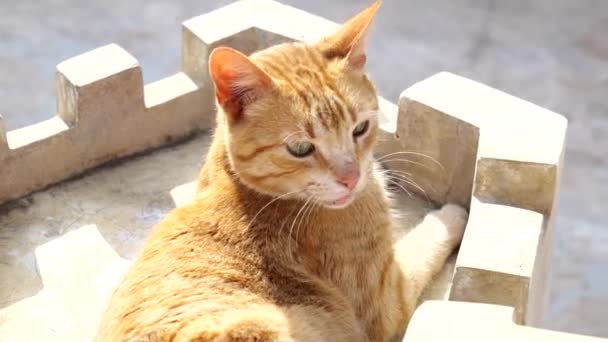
<point x="406" y="161"/>
<point x="417" y="186"/>
<point x="267" y="231"/>
<point x="312" y="208"/>
<point x="396" y="171"/>
<point x="409" y="152"/>
<point x="285" y="221"/>
<point x="266" y="206"/>
<point x="408" y="174"/>
<point x="410" y="162"/>
<point x="396" y="182"/>
<point x="269" y="203"/>
<point x="412" y="153"/>
<point x="402" y="174"/>
<point x="305" y="216"/>
<point x="293" y="224"/>
<point x="412" y="183"/>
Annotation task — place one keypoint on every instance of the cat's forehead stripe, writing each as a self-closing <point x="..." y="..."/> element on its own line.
<point x="305" y="74"/>
<point x="277" y="73"/>
<point x="310" y="129"/>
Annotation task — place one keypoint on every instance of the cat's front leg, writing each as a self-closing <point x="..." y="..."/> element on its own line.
<point x="448" y="224"/>
<point x="423" y="252"/>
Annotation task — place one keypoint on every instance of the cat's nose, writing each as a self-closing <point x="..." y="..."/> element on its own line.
<point x="349" y="178"/>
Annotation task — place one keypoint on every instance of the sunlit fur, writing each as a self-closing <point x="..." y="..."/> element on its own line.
<point x="315" y="100"/>
<point x="264" y="253"/>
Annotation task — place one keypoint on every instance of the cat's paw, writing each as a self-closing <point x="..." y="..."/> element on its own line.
<point x="453" y="219"/>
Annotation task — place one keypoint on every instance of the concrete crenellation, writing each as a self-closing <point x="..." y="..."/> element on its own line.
<point x="439" y="151"/>
<point x="497" y="256"/>
<point x="104" y="112"/>
<point x="458" y="140"/>
<point x="502" y="157"/>
<point x="102" y="85"/>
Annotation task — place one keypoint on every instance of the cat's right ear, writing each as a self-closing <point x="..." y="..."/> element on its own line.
<point x="238" y="82"/>
<point x="349" y="41"/>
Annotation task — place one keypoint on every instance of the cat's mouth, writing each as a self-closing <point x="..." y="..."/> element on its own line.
<point x="341" y="202"/>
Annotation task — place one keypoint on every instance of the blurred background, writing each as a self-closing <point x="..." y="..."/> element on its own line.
<point x="551" y="52"/>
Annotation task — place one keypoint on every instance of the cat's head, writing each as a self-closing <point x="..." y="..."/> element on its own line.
<point x="300" y="120"/>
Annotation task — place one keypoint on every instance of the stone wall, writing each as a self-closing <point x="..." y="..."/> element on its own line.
<point x="104" y="112"/>
<point x="465" y="142"/>
<point x="502" y="156"/>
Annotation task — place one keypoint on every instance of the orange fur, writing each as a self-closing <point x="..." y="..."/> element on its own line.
<point x="275" y="247"/>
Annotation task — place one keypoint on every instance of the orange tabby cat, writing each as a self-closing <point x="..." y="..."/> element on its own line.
<point x="290" y="236"/>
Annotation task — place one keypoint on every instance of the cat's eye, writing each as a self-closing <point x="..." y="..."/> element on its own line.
<point x="360" y="129"/>
<point x="301" y="149"/>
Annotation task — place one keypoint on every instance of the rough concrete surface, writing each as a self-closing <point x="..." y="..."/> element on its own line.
<point x="63" y="249"/>
<point x="553" y="53"/>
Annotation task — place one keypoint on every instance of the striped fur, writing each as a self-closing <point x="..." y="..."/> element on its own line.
<point x="263" y="253"/>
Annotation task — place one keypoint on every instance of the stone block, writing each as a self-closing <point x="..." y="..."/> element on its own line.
<point x="497" y="256"/>
<point x="166" y="90"/>
<point x="277" y="23"/>
<point x="100" y="85"/>
<point x="78" y="255"/>
<point x="464" y="126"/>
<point x="439" y="321"/>
<point x="438" y="149"/>
<point x="519" y="183"/>
<point x="175" y="94"/>
<point x="461" y="141"/>
<point x="539" y="294"/>
<point x="387" y="143"/>
<point x="38" y="132"/>
<point x="183" y="194"/>
<point x="197" y="44"/>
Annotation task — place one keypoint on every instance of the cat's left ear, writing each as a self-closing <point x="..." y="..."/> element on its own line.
<point x="349" y="41"/>
<point x="238" y="82"/>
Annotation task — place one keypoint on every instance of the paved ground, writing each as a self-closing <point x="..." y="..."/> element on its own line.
<point x="553" y="53"/>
